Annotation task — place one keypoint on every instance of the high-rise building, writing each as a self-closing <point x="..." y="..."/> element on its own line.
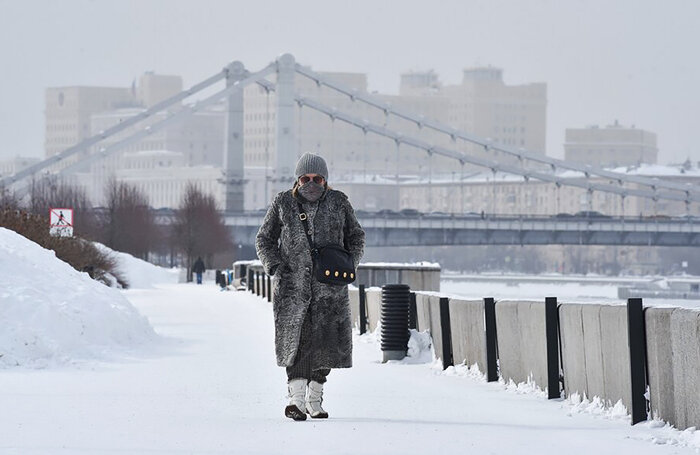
<point x="612" y="146"/>
<point x="69" y="110"/>
<point x="514" y="116"/>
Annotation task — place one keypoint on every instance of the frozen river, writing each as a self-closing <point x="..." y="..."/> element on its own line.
<point x="580" y="289"/>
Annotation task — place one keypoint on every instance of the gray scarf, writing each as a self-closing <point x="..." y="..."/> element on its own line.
<point x="311" y="191"/>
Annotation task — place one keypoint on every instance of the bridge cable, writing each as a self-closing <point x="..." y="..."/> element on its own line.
<point x="92" y="140"/>
<point x="417" y="143"/>
<point x="520" y="153"/>
<point x="481" y="162"/>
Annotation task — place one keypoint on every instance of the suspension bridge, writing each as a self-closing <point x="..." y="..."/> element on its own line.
<point x="457" y="229"/>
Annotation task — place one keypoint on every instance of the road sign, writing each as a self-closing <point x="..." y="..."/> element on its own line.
<point x="61" y="222"/>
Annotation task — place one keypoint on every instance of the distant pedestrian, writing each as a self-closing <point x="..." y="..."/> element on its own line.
<point x="198" y="269"/>
<point x="313" y="329"/>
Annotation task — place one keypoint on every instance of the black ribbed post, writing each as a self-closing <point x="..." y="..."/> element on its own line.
<point x="395" y="332"/>
<point x="446" y="330"/>
<point x="363" y="310"/>
<point x="217" y="277"/>
<point x="257" y="283"/>
<point x="551" y="315"/>
<point x="491" y="352"/>
<point x="637" y="345"/>
<point x="250" y="281"/>
<point x="412" y="312"/>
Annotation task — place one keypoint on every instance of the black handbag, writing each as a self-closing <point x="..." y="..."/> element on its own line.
<point x="333" y="264"/>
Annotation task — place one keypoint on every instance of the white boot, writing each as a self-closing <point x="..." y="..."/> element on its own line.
<point x="314" y="398"/>
<point x="297" y="391"/>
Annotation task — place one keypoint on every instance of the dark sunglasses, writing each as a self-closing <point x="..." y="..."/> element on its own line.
<point x="306" y="179"/>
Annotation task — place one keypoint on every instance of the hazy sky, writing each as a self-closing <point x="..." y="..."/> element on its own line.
<point x="636" y="61"/>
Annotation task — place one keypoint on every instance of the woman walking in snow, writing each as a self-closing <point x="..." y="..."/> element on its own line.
<point x="313" y="330"/>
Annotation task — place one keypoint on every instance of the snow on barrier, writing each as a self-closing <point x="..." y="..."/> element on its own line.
<point x="422" y="275"/>
<point x="428" y="311"/>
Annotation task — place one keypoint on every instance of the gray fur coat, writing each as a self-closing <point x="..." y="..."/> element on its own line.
<point x="284" y="251"/>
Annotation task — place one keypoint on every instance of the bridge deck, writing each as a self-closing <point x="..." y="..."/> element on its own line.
<point x="506" y="230"/>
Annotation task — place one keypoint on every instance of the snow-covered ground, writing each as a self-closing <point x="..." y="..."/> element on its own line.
<point x="141" y="274"/>
<point x="213" y="387"/>
<point x="210" y="385"/>
<point x="50" y="314"/>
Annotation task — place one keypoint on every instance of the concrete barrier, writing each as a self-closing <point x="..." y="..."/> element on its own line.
<point x="660" y="363"/>
<point x="433" y="308"/>
<point x="468" y="332"/>
<point x="422" y="311"/>
<point x="419" y="276"/>
<point x="354" y="298"/>
<point x="374" y="308"/>
<point x="573" y="351"/>
<point x="685" y="345"/>
<point x="616" y="355"/>
<point x="594" y="346"/>
<point x="595" y="352"/>
<point x="522" y="343"/>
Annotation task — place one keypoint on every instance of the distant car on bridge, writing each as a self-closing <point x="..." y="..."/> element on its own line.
<point x="410" y="213"/>
<point x="387" y="213"/>
<point x="591" y="214"/>
<point x="439" y="215"/>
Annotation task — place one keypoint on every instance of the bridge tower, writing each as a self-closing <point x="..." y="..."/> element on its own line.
<point x="286" y="142"/>
<point x="234" y="177"/>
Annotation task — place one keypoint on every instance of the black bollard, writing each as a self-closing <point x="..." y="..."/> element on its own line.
<point x="250" y="281"/>
<point x="264" y="286"/>
<point x="491" y="349"/>
<point x="638" y="356"/>
<point x="395" y="332"/>
<point x="257" y="283"/>
<point x="446" y="329"/>
<point x="363" y="310"/>
<point x="269" y="288"/>
<point x="551" y="310"/>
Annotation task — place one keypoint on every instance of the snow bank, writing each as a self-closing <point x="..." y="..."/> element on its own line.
<point x="51" y="314"/>
<point x="138" y="273"/>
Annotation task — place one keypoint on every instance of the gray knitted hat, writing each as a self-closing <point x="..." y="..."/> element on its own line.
<point x="311" y="164"/>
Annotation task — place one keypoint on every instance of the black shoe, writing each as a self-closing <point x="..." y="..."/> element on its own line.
<point x="295" y="413"/>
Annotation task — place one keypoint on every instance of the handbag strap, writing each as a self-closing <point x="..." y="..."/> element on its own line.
<point x="305" y="221"/>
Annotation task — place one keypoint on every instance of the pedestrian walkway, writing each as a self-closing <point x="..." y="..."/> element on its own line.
<point x="212" y="387"/>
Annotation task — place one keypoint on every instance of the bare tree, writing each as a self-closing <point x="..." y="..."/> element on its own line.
<point x="128" y="223"/>
<point x="52" y="192"/>
<point x="199" y="229"/>
<point x="8" y="200"/>
<point x="81" y="254"/>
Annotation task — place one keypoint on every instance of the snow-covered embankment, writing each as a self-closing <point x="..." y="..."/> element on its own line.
<point x="51" y="314"/>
